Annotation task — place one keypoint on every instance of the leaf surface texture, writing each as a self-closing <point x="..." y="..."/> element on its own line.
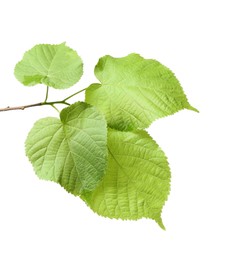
<point x="57" y="66"/>
<point x="72" y="150"/>
<point x="135" y="91"/>
<point x="137" y="180"/>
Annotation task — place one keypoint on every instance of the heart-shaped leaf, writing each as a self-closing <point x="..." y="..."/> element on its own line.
<point x="135" y="91"/>
<point x="72" y="150"/>
<point x="137" y="180"/>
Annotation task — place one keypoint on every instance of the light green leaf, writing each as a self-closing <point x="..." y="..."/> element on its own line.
<point x="57" y="66"/>
<point x="72" y="150"/>
<point x="137" y="180"/>
<point x="135" y="91"/>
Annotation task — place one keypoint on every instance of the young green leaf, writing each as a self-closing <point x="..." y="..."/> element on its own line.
<point x="57" y="66"/>
<point x="135" y="91"/>
<point x="71" y="151"/>
<point x="137" y="180"/>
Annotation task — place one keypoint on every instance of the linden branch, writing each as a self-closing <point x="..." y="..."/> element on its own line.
<point x="44" y="103"/>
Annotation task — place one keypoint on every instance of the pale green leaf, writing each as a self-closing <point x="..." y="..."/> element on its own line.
<point x="57" y="66"/>
<point x="135" y="91"/>
<point x="137" y="180"/>
<point x="72" y="150"/>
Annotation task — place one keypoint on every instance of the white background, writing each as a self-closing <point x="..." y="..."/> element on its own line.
<point x="196" y="39"/>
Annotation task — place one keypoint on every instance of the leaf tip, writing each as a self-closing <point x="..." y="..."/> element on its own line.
<point x="160" y="223"/>
<point x="193" y="109"/>
<point x="63" y="44"/>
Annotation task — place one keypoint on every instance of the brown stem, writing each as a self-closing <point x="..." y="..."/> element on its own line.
<point x="33" y="105"/>
<point x="42" y="103"/>
<point x="19" y="107"/>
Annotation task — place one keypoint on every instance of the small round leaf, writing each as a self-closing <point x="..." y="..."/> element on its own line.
<point x="56" y="66"/>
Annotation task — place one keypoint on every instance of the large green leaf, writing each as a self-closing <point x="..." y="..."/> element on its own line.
<point x="135" y="91"/>
<point x="57" y="66"/>
<point x="137" y="180"/>
<point x="72" y="150"/>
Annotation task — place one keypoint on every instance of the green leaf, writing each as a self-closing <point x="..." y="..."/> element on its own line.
<point x="137" y="180"/>
<point x="72" y="150"/>
<point x="57" y="66"/>
<point x="135" y="91"/>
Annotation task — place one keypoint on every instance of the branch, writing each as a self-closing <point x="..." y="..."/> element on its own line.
<point x="20" y="107"/>
<point x="45" y="103"/>
<point x="33" y="105"/>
